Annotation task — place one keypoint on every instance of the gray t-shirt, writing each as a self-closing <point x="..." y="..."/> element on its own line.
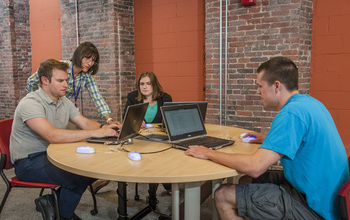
<point x="25" y="141"/>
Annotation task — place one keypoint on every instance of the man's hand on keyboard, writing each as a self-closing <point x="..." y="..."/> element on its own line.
<point x="106" y="131"/>
<point x="198" y="152"/>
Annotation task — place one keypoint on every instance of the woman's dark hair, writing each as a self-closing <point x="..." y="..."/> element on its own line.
<point x="281" y="69"/>
<point x="157" y="88"/>
<point x="87" y="50"/>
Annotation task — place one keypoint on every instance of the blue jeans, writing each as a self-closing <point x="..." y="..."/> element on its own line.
<point x="37" y="168"/>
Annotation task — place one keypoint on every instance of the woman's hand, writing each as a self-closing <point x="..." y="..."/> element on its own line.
<point x="143" y="125"/>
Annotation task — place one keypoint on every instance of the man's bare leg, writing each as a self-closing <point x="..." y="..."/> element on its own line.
<point x="226" y="203"/>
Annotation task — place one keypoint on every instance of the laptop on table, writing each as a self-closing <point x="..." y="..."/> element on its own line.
<point x="201" y="104"/>
<point x="132" y="122"/>
<point x="185" y="127"/>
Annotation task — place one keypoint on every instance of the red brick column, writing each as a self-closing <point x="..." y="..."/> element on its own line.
<point x="255" y="33"/>
<point x="15" y="53"/>
<point x="110" y="26"/>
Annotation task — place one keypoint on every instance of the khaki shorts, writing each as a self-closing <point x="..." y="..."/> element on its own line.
<point x="271" y="196"/>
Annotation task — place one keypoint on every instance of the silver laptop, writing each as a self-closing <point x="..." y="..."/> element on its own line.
<point x="185" y="127"/>
<point x="131" y="125"/>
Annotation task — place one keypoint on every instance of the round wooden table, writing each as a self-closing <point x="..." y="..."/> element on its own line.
<point x="169" y="166"/>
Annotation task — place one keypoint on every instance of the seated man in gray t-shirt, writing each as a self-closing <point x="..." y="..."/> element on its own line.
<point x="41" y="118"/>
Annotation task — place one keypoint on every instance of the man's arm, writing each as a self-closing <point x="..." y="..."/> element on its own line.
<point x="55" y="135"/>
<point x="85" y="123"/>
<point x="251" y="164"/>
<point x="259" y="137"/>
<point x="88" y="124"/>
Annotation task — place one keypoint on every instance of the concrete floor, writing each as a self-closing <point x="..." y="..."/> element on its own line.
<point x="20" y="203"/>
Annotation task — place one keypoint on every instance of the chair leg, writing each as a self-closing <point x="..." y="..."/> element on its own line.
<point x="57" y="209"/>
<point x="5" y="197"/>
<point x="137" y="197"/>
<point x="94" y="211"/>
<point x="7" y="183"/>
<point x="41" y="192"/>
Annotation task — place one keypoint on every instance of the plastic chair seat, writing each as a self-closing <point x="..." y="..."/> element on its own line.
<point x="15" y="182"/>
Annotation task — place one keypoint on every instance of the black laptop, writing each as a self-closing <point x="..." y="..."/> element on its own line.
<point x="201" y="104"/>
<point x="185" y="127"/>
<point x="132" y="122"/>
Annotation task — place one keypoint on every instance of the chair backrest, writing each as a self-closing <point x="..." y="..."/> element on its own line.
<point x="5" y="132"/>
<point x="344" y="199"/>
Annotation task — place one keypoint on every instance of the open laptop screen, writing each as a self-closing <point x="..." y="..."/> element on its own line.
<point x="183" y="121"/>
<point x="132" y="120"/>
<point x="202" y="106"/>
<point x="131" y="125"/>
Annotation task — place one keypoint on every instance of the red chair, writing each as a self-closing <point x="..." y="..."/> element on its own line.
<point x="344" y="199"/>
<point x="5" y="164"/>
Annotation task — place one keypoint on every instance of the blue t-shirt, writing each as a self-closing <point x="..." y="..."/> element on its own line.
<point x="315" y="161"/>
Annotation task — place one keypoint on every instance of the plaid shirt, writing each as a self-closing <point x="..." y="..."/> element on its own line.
<point x="82" y="80"/>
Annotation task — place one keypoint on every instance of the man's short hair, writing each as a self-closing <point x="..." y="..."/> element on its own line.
<point x="46" y="68"/>
<point x="281" y="69"/>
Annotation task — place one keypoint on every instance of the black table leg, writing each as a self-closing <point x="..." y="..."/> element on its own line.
<point x="122" y="201"/>
<point x="152" y="202"/>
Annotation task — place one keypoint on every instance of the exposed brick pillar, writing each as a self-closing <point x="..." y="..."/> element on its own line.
<point x="255" y="33"/>
<point x="15" y="53"/>
<point x="110" y="26"/>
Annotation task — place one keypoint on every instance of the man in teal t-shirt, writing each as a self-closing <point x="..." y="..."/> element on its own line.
<point x="304" y="138"/>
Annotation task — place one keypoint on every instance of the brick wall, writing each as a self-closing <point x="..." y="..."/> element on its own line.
<point x="22" y="46"/>
<point x="15" y="53"/>
<point x="109" y="25"/>
<point x="255" y="33"/>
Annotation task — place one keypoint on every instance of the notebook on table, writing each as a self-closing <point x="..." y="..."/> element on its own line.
<point x="131" y="125"/>
<point x="185" y="127"/>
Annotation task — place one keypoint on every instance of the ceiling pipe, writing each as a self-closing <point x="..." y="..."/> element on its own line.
<point x="77" y="36"/>
<point x="225" y="115"/>
<point x="221" y="84"/>
<point x="76" y="22"/>
<point x="220" y="67"/>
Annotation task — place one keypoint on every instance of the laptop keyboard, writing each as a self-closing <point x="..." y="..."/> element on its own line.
<point x="206" y="141"/>
<point x="111" y="138"/>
